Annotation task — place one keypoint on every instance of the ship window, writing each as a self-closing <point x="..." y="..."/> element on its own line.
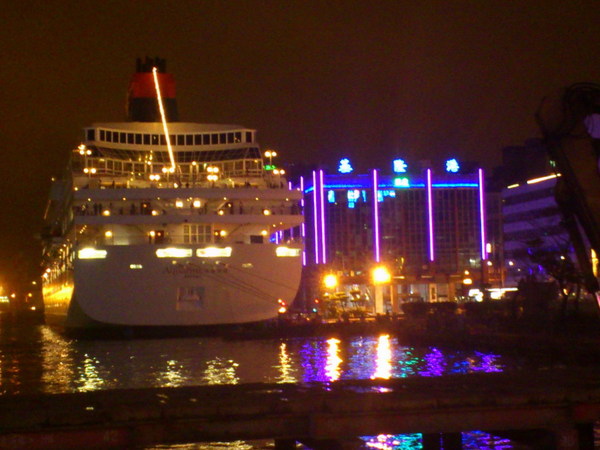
<point x="230" y="138"/>
<point x="214" y="138"/>
<point x="189" y="139"/>
<point x="146" y="139"/>
<point x="248" y="136"/>
<point x="205" y="139"/>
<point x="130" y="138"/>
<point x="163" y="139"/>
<point x="102" y="135"/>
<point x="115" y="136"/>
<point x="173" y="139"/>
<point x="108" y="136"/>
<point x="180" y="139"/>
<point x="222" y="138"/>
<point x="123" y="138"/>
<point x="127" y="167"/>
<point x="155" y="139"/>
<point x="91" y="135"/>
<point x="197" y="139"/>
<point x="238" y="137"/>
<point x="197" y="234"/>
<point x="256" y="239"/>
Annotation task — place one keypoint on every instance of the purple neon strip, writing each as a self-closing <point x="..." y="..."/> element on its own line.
<point x="482" y="216"/>
<point x="376" y="217"/>
<point x="302" y="225"/>
<point x="315" y="216"/>
<point x="322" y="200"/>
<point x="430" y="215"/>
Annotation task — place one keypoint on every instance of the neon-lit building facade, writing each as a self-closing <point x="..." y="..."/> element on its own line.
<point x="429" y="223"/>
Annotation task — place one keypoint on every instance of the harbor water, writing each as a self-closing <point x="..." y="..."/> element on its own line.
<point x="39" y="359"/>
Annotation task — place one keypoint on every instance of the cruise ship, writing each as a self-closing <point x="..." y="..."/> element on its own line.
<point x="162" y="223"/>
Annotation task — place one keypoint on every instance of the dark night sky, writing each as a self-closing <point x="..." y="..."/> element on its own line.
<point x="318" y="79"/>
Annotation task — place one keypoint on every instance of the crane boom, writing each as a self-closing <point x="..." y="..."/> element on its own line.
<point x="570" y="124"/>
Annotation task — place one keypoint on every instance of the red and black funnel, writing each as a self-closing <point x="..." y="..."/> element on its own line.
<point x="142" y="100"/>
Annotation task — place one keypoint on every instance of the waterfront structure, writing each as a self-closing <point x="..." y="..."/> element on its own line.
<point x="429" y="228"/>
<point x="165" y="223"/>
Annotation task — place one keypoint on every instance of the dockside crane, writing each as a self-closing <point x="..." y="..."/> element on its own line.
<point x="570" y="124"/>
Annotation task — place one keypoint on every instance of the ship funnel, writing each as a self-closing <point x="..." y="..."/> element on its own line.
<point x="142" y="101"/>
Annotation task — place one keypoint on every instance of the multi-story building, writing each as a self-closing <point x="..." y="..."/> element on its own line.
<point x="532" y="221"/>
<point x="428" y="228"/>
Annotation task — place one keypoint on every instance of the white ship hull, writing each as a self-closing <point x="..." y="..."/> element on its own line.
<point x="131" y="286"/>
<point x="162" y="223"/>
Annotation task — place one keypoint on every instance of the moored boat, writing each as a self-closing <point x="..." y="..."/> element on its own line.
<point x="162" y="223"/>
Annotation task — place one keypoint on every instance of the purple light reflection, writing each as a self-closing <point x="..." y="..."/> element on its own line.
<point x="383" y="357"/>
<point x="435" y="364"/>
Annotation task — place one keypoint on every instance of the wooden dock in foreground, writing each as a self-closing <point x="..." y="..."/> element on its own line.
<point x="563" y="403"/>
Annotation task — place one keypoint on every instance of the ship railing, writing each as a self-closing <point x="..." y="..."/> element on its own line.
<point x="99" y="168"/>
<point x="182" y="239"/>
<point x="137" y="183"/>
<point x="147" y="209"/>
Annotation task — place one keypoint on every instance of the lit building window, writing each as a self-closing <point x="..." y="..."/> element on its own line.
<point x="331" y="196"/>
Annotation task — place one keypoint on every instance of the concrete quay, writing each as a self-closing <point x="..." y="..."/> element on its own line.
<point x="563" y="404"/>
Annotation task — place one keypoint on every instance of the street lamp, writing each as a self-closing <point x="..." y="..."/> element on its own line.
<point x="270" y="154"/>
<point x="380" y="275"/>
<point x="330" y="281"/>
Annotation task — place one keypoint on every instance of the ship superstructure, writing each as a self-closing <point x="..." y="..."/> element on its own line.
<point x="167" y="223"/>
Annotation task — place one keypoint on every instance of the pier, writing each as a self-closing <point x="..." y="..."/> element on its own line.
<point x="562" y="404"/>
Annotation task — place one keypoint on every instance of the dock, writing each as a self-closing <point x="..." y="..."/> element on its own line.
<point x="564" y="404"/>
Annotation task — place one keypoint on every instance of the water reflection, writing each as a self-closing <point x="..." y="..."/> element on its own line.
<point x="89" y="378"/>
<point x="42" y="360"/>
<point x="173" y="375"/>
<point x="285" y="366"/>
<point x="391" y="442"/>
<point x="46" y="361"/>
<point x="473" y="440"/>
<point x="220" y="371"/>
<point x="332" y="364"/>
<point x="383" y="363"/>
